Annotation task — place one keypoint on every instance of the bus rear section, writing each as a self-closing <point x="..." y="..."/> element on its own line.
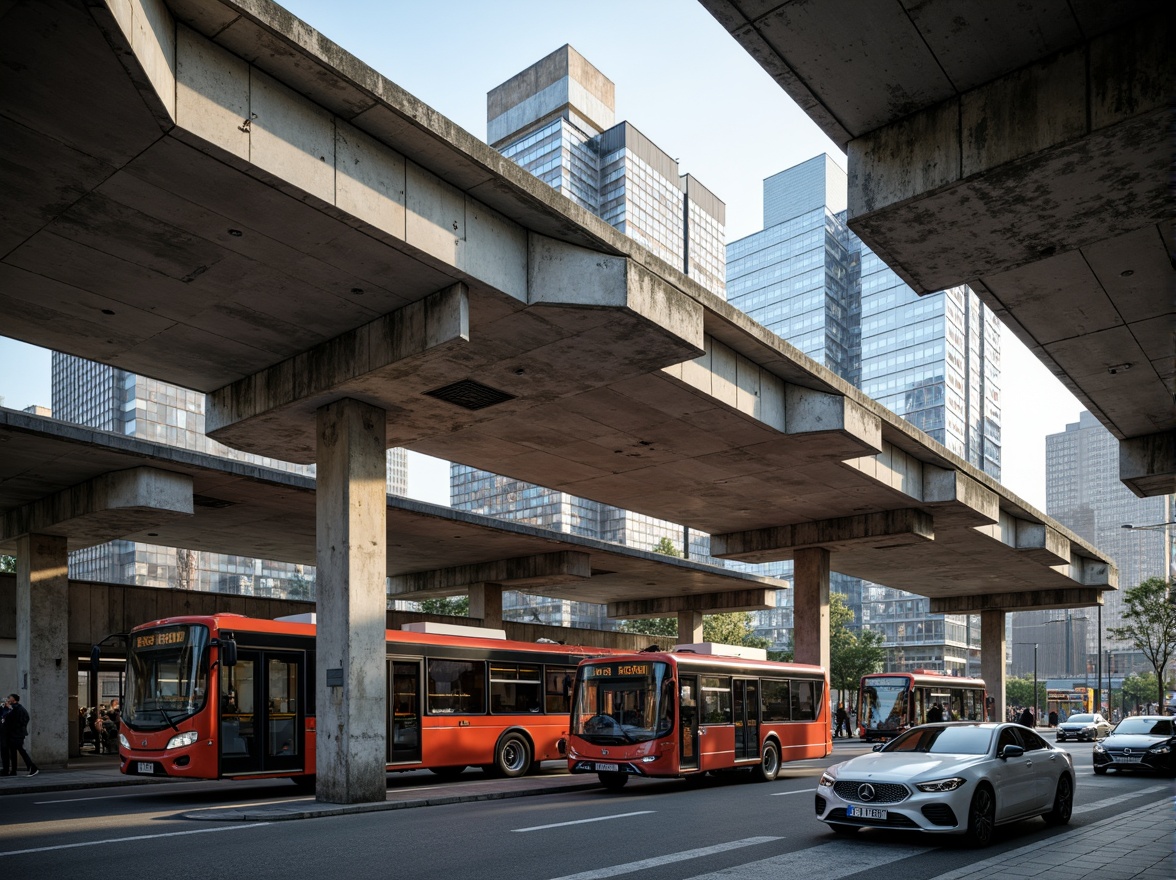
<point x="891" y="702"/>
<point x="695" y="711"/>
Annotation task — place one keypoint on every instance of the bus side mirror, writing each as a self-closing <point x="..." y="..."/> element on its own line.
<point x="228" y="652"/>
<point x="95" y="655"/>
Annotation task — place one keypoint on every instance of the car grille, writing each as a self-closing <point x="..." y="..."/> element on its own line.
<point x="820" y="805"/>
<point x="940" y="814"/>
<point x="893" y="820"/>
<point x="884" y="792"/>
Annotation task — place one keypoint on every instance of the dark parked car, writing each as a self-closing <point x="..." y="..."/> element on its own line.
<point x="1141" y="742"/>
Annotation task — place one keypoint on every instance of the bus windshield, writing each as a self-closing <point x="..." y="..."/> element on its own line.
<point x="623" y="702"/>
<point x="167" y="676"/>
<point x="884" y="702"/>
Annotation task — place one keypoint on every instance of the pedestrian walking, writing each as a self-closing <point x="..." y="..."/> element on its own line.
<point x="16" y="728"/>
<point x="842" y="721"/>
<point x="7" y="759"/>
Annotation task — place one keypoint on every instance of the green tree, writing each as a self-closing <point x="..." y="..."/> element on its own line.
<point x="652" y="626"/>
<point x="666" y="548"/>
<point x="1139" y="688"/>
<point x="851" y="655"/>
<point x="1019" y="692"/>
<point x="8" y="564"/>
<point x="733" y="628"/>
<point x="453" y="606"/>
<point x="1149" y="623"/>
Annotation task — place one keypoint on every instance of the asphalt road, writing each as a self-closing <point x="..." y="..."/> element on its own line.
<point x="718" y="829"/>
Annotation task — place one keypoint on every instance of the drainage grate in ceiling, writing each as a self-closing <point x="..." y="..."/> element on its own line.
<point x="209" y="501"/>
<point x="470" y="394"/>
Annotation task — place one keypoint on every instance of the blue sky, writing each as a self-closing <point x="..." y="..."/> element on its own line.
<point x="680" y="79"/>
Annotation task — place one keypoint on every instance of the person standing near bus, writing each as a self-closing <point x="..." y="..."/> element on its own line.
<point x="16" y="728"/>
<point x="842" y="721"/>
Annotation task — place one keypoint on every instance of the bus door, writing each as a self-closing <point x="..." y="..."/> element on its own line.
<point x="404" y="707"/>
<point x="746" y="717"/>
<point x="688" y="722"/>
<point x="262" y="723"/>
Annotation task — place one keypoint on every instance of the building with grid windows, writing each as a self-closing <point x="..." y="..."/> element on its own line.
<point x="109" y="399"/>
<point x="556" y="119"/>
<point x="1083" y="492"/>
<point x="934" y="360"/>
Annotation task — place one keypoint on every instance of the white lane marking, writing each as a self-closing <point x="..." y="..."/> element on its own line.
<point x="837" y="859"/>
<point x="41" y="849"/>
<point x="630" y="867"/>
<point x="582" y="821"/>
<point x="1110" y="802"/>
<point x="782" y="793"/>
<point x="106" y="797"/>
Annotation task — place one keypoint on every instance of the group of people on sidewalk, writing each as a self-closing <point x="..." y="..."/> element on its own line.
<point x="14" y="728"/>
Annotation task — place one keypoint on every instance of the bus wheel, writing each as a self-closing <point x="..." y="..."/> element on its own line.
<point x="513" y="756"/>
<point x="769" y="765"/>
<point x="448" y="772"/>
<point x="304" y="783"/>
<point x="613" y="781"/>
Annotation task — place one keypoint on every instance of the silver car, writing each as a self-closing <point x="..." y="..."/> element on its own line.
<point x="1084" y="726"/>
<point x="958" y="778"/>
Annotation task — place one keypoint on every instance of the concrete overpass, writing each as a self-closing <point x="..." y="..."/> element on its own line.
<point x="1022" y="148"/>
<point x="237" y="205"/>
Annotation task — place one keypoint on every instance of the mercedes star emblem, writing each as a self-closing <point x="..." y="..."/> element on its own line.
<point x="866" y="791"/>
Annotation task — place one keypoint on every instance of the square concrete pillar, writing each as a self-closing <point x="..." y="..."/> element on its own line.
<point x="42" y="646"/>
<point x="689" y="627"/>
<point x="351" y="676"/>
<point x="810" y="606"/>
<point x="992" y="661"/>
<point x="486" y="604"/>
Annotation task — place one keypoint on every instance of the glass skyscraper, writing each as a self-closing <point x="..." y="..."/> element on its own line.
<point x="109" y="399"/>
<point x="934" y="360"/>
<point x="556" y="119"/>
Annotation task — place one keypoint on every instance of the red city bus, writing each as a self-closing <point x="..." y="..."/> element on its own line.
<point x="890" y="702"/>
<point x="227" y="696"/>
<point x="688" y="712"/>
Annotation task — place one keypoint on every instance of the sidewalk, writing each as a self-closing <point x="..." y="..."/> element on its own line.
<point x="1136" y="845"/>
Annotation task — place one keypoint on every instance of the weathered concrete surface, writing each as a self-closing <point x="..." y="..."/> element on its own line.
<point x="42" y="649"/>
<point x="1026" y="153"/>
<point x="714" y="603"/>
<point x="810" y="635"/>
<point x="519" y="573"/>
<point x="993" y="638"/>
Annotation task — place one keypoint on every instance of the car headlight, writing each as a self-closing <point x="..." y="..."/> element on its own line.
<point x="827" y="780"/>
<point x="184" y="739"/>
<point x="941" y="784"/>
<point x="1162" y="749"/>
<point x="122" y="741"/>
<point x="1098" y="747"/>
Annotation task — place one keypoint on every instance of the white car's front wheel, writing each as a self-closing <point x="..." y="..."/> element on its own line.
<point x="982" y="817"/>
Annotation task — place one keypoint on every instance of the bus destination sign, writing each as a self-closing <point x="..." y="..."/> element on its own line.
<point x="161" y="638"/>
<point x="615" y="670"/>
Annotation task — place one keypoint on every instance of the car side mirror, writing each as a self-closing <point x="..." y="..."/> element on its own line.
<point x="1011" y="751"/>
<point x="878" y="747"/>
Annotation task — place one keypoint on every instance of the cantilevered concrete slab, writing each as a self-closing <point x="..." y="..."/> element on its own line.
<point x="1023" y="148"/>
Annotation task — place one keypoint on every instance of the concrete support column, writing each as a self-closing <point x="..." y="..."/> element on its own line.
<point x="351" y="678"/>
<point x="42" y="646"/>
<point x="992" y="660"/>
<point x="810" y="607"/>
<point x="75" y="734"/>
<point x="689" y="627"/>
<point x="486" y="603"/>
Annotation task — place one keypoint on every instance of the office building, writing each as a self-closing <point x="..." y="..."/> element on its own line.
<point x="557" y="120"/>
<point x="109" y="399"/>
<point x="934" y="360"/>
<point x="1083" y="492"/>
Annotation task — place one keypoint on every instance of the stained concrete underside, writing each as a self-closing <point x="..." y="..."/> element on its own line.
<point x="1022" y="148"/>
<point x="329" y="236"/>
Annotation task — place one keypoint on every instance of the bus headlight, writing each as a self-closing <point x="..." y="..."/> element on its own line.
<point x="942" y="784"/>
<point x="649" y="759"/>
<point x="184" y="739"/>
<point x="122" y="741"/>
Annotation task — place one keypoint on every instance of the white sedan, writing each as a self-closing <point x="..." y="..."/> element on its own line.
<point x="957" y="778"/>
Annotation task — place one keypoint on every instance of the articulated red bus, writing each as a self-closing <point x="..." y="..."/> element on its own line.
<point x="227" y="696"/>
<point x="686" y="712"/>
<point x="890" y="702"/>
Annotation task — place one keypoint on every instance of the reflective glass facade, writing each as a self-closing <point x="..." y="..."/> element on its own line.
<point x="934" y="360"/>
<point x="109" y="399"/>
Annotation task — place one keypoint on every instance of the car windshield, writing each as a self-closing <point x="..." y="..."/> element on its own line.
<point x="943" y="740"/>
<point x="1081" y="719"/>
<point x="1146" y="726"/>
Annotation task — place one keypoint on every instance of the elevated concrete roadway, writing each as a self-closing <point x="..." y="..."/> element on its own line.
<point x="1024" y="148"/>
<point x="236" y="205"/>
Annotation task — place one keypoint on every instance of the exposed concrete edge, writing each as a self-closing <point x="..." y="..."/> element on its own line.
<point x="279" y="813"/>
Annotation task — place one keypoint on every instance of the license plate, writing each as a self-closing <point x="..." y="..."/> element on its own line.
<point x="607" y="768"/>
<point x="146" y="768"/>
<point x="1132" y="760"/>
<point x="855" y="812"/>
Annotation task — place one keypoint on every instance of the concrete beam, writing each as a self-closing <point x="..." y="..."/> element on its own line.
<point x="563" y="567"/>
<point x="1076" y="597"/>
<point x="701" y="603"/>
<point x="892" y="528"/>
<point x="103" y="509"/>
<point x="359" y="364"/>
<point x="1041" y="543"/>
<point x="1147" y="465"/>
<point x="958" y="499"/>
